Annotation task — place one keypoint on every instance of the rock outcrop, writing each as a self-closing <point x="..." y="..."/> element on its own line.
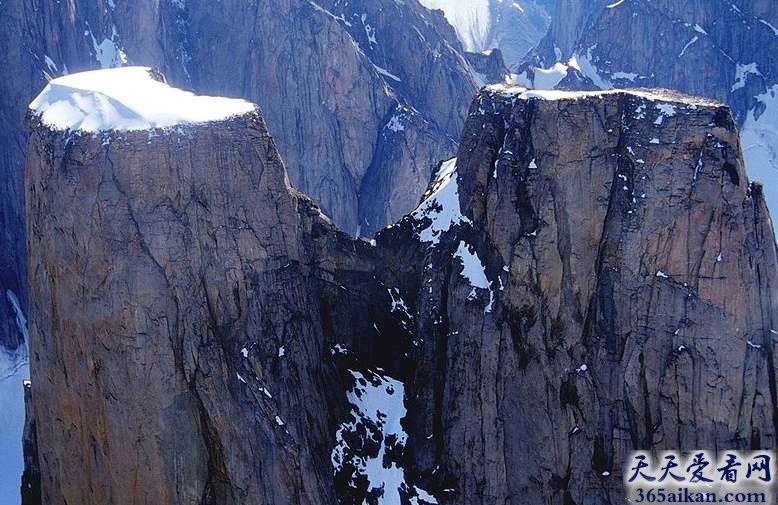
<point x="363" y="97"/>
<point x="720" y="49"/>
<point x="606" y="283"/>
<point x="182" y="294"/>
<point x="593" y="274"/>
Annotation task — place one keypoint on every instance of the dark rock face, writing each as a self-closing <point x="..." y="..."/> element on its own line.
<point x="199" y="334"/>
<point x="363" y="97"/>
<point x="490" y="65"/>
<point x="719" y="48"/>
<point x="613" y="231"/>
<point x="31" y="479"/>
<point x="196" y="323"/>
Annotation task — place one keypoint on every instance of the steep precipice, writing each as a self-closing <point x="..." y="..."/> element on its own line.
<point x="595" y="275"/>
<point x="182" y="292"/>
<point x="592" y="274"/>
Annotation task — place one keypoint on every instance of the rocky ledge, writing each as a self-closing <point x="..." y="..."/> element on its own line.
<point x="592" y="274"/>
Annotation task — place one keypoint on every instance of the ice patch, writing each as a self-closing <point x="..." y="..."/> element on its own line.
<point x="127" y="99"/>
<point x="627" y="76"/>
<point x="14" y="374"/>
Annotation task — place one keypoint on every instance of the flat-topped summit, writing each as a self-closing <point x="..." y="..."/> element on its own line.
<point x="127" y="99"/>
<point x="656" y="94"/>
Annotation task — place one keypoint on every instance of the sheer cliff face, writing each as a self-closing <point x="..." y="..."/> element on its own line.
<point x="608" y="286"/>
<point x="363" y="98"/>
<point x="593" y="274"/>
<point x="177" y="282"/>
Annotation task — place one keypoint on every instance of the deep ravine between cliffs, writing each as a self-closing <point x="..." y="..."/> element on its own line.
<point x="591" y="275"/>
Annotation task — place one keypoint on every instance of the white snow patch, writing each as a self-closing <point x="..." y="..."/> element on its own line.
<point x="442" y="205"/>
<point x="378" y="406"/>
<point x="473" y="270"/>
<point x="127" y="99"/>
<point x="688" y="44"/>
<point x="395" y="124"/>
<point x="741" y="75"/>
<point x="587" y="68"/>
<point x="661" y="274"/>
<point x="399" y="306"/>
<point x="341" y="18"/>
<point x="548" y="78"/>
<point x="281" y="352"/>
<point x="665" y="110"/>
<point x="773" y="28"/>
<point x="386" y="73"/>
<point x="108" y="53"/>
<point x="628" y="76"/>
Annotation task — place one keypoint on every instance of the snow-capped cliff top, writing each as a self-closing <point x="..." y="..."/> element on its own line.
<point x="657" y="94"/>
<point x="127" y="98"/>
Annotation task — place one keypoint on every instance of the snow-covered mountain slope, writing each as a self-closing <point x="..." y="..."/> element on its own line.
<point x="513" y="26"/>
<point x="12" y="374"/>
<point x="716" y="48"/>
<point x="14" y="370"/>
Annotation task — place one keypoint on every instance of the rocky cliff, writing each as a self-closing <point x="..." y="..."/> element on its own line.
<point x="605" y="281"/>
<point x="715" y="48"/>
<point x="363" y="97"/>
<point x="184" y="298"/>
<point x="592" y="274"/>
